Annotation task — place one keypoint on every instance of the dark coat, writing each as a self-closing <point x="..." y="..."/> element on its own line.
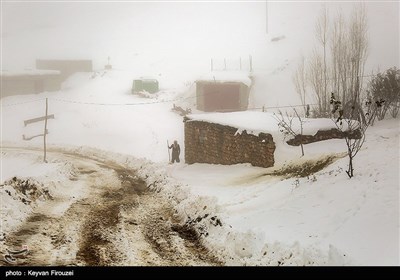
<point x="176" y="151"/>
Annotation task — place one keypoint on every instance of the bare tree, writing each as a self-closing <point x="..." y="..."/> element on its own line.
<point x="358" y="36"/>
<point x="322" y="32"/>
<point x="340" y="55"/>
<point x="340" y="65"/>
<point x="386" y="86"/>
<point x="315" y="74"/>
<point x="300" y="84"/>
<point x="353" y="130"/>
<point x="286" y="126"/>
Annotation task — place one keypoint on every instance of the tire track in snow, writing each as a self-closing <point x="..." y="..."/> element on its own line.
<point x="119" y="222"/>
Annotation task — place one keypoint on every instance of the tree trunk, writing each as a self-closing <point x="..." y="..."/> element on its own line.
<point x="350" y="169"/>
<point x="302" y="149"/>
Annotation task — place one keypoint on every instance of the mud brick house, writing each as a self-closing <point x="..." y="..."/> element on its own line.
<point x="223" y="91"/>
<point x="246" y="137"/>
<point x="29" y="82"/>
<point x="66" y="67"/>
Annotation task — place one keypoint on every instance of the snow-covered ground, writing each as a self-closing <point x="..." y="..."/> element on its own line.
<point x="133" y="125"/>
<point x="326" y="218"/>
<point x="358" y="216"/>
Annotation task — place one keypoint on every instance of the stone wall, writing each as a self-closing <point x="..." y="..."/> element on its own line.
<point x="217" y="144"/>
<point x="322" y="135"/>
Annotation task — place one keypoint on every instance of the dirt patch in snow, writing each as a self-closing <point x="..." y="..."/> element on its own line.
<point x="97" y="241"/>
<point x="175" y="243"/>
<point x="304" y="168"/>
<point x="119" y="222"/>
<point x="27" y="190"/>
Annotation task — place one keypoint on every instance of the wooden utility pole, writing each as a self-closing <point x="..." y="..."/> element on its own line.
<point x="39" y="119"/>
<point x="169" y="155"/>
<point x="45" y="130"/>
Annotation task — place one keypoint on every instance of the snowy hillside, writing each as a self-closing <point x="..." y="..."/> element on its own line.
<point x="130" y="124"/>
<point x="324" y="218"/>
<point x="357" y="217"/>
<point x="144" y="39"/>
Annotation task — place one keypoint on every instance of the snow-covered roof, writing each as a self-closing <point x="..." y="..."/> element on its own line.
<point x="227" y="76"/>
<point x="146" y="78"/>
<point x="28" y="72"/>
<point x="257" y="122"/>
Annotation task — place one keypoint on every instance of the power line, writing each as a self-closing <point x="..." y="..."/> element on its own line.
<point x="100" y="104"/>
<point x="289" y="106"/>
<point x="121" y="104"/>
<point x="146" y="103"/>
<point x="20" y="103"/>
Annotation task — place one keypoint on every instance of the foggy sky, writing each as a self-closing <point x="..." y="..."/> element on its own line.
<point x="174" y="34"/>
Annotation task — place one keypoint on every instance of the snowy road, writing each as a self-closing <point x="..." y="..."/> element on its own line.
<point x="115" y="220"/>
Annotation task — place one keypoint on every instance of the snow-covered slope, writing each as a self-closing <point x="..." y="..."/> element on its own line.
<point x="323" y="219"/>
<point x="131" y="124"/>
<point x="358" y="216"/>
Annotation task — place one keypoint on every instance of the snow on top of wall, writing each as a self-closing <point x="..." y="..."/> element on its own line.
<point x="257" y="122"/>
<point x="227" y="76"/>
<point x="28" y="72"/>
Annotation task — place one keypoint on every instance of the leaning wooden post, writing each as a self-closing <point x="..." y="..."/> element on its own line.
<point x="45" y="129"/>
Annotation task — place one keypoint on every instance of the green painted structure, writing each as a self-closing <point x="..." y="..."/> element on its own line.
<point x="149" y="85"/>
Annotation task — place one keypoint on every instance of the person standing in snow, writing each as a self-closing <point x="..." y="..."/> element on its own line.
<point x="176" y="151"/>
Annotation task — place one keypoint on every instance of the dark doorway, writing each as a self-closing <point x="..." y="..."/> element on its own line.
<point x="221" y="97"/>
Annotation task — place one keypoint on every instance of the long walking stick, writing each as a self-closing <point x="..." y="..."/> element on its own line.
<point x="169" y="156"/>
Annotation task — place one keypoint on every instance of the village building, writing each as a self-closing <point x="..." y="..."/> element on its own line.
<point x="29" y="82"/>
<point x="223" y="91"/>
<point x="66" y="67"/>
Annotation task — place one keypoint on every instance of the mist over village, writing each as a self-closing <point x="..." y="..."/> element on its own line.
<point x="191" y="133"/>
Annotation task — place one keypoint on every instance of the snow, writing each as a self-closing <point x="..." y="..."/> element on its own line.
<point x="227" y="76"/>
<point x="82" y="117"/>
<point x="258" y="122"/>
<point x="53" y="175"/>
<point x="266" y="220"/>
<point x="315" y="220"/>
<point x="359" y="217"/>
